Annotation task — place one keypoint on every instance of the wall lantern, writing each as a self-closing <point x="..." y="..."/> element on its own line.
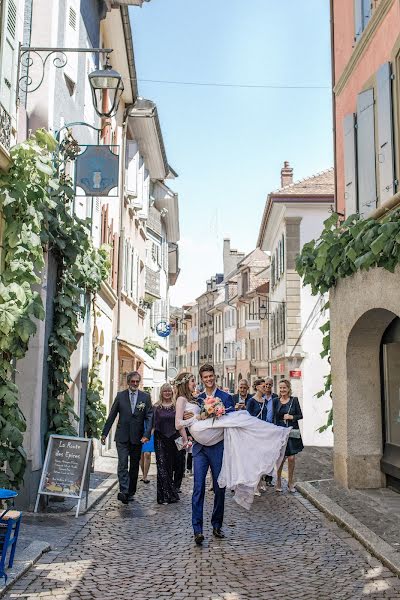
<point x="263" y="310"/>
<point x="107" y="87"/>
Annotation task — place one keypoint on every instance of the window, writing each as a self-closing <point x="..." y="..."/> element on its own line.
<point x="8" y="52"/>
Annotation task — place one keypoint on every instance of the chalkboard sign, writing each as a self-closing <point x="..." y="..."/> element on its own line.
<point x="65" y="468"/>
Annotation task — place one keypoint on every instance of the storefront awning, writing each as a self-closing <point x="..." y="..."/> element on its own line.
<point x="153" y="374"/>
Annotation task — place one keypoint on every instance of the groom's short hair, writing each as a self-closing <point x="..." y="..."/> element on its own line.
<point x="206" y="368"/>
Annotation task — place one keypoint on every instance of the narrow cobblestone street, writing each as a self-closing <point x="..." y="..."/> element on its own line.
<point x="284" y="548"/>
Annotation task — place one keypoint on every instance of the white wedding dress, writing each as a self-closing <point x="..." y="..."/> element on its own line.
<point x="252" y="448"/>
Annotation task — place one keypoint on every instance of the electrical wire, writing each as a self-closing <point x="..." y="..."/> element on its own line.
<point x="234" y="85"/>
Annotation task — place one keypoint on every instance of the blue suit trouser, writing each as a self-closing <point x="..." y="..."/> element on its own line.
<point x="203" y="458"/>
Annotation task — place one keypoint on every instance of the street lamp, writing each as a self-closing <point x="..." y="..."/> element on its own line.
<point x="106" y="82"/>
<point x="263" y="311"/>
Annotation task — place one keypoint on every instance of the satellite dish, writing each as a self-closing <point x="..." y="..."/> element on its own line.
<point x="172" y="372"/>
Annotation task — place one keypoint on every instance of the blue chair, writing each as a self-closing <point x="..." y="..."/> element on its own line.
<point x="10" y="521"/>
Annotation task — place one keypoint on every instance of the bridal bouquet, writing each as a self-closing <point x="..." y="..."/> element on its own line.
<point x="212" y="407"/>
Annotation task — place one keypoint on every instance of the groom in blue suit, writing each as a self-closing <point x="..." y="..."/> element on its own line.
<point x="205" y="457"/>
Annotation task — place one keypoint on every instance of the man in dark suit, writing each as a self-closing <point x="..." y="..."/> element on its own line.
<point x="241" y="398"/>
<point x="134" y="429"/>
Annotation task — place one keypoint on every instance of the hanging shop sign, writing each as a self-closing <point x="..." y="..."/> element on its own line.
<point x="97" y="171"/>
<point x="163" y="329"/>
<point x="65" y="470"/>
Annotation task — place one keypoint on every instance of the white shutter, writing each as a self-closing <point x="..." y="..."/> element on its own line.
<point x="8" y="58"/>
<point x="146" y="194"/>
<point x="385" y="132"/>
<point x="71" y="38"/>
<point x="350" y="164"/>
<point x="366" y="152"/>
<point x="132" y="167"/>
<point x="135" y="275"/>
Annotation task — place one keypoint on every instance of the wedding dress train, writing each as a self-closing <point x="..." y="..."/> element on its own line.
<point x="252" y="448"/>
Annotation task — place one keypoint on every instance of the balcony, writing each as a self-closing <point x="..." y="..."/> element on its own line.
<point x="152" y="283"/>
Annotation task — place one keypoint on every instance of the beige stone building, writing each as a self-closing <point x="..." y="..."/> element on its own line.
<point x="294" y="215"/>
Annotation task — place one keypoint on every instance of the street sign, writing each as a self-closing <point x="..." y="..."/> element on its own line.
<point x="252" y="324"/>
<point x="65" y="468"/>
<point x="296" y="374"/>
<point x="97" y="170"/>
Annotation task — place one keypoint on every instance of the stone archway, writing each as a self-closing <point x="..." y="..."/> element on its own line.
<point x="364" y="404"/>
<point x="361" y="308"/>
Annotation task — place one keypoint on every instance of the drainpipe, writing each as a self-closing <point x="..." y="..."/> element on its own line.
<point x="332" y="26"/>
<point x="114" y="344"/>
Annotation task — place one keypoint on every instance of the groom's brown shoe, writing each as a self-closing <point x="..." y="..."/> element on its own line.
<point x="218" y="534"/>
<point x="198" y="538"/>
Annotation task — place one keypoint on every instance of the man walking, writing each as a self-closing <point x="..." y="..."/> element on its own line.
<point x="134" y="429"/>
<point x="205" y="457"/>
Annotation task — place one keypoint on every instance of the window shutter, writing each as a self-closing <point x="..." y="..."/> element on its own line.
<point x="8" y="58"/>
<point x="132" y="167"/>
<point x="366" y="12"/>
<point x="358" y="18"/>
<point x="71" y="39"/>
<point x="385" y="132"/>
<point x="115" y="261"/>
<point x="366" y="152"/>
<point x="350" y="163"/>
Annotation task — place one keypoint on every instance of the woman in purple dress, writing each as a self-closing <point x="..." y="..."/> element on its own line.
<point x="170" y="460"/>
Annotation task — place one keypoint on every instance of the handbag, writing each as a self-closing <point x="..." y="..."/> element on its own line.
<point x="295" y="433"/>
<point x="179" y="443"/>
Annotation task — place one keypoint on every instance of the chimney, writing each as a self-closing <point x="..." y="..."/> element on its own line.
<point x="286" y="174"/>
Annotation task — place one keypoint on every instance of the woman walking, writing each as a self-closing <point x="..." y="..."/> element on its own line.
<point x="168" y="457"/>
<point x="288" y="415"/>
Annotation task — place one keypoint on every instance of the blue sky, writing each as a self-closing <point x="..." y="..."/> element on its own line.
<point x="228" y="144"/>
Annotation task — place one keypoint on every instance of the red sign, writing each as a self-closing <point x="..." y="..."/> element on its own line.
<point x="295" y="374"/>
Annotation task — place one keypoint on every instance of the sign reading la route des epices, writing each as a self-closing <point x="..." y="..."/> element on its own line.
<point x="65" y="468"/>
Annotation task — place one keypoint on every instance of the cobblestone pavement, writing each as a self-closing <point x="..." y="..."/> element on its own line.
<point x="282" y="549"/>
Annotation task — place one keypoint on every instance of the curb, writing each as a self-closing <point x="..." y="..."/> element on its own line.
<point x="98" y="494"/>
<point x="372" y="542"/>
<point x="24" y="561"/>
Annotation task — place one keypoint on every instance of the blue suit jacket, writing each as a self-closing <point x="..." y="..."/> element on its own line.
<point x="227" y="401"/>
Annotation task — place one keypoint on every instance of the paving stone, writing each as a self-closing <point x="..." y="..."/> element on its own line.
<point x="281" y="549"/>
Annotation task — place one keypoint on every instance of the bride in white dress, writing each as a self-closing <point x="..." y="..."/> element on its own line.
<point x="252" y="447"/>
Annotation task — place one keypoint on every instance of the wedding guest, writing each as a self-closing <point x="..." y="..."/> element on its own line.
<point x="242" y="397"/>
<point x="145" y="459"/>
<point x="170" y="465"/>
<point x="135" y="419"/>
<point x="288" y="415"/>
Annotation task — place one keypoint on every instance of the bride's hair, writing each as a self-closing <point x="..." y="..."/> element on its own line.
<point x="165" y="386"/>
<point x="182" y="386"/>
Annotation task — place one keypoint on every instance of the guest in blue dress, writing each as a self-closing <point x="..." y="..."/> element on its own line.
<point x="145" y="459"/>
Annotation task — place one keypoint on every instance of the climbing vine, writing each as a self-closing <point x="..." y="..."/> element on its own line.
<point x="36" y="208"/>
<point x="342" y="250"/>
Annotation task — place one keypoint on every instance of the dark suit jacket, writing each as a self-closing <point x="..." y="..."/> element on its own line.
<point x="227" y="401"/>
<point x="235" y="398"/>
<point x="131" y="427"/>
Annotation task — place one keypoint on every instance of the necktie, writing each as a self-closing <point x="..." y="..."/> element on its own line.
<point x="132" y="398"/>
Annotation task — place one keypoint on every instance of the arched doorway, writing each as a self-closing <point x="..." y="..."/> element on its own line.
<point x="390" y="377"/>
<point x="357" y="394"/>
